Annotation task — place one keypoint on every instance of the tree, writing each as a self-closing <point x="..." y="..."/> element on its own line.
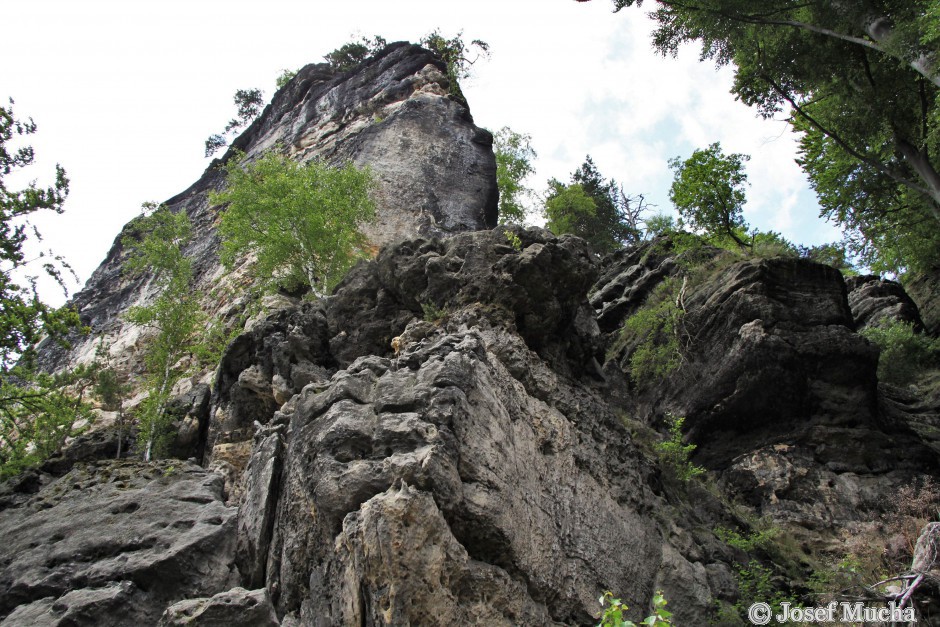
<point x="300" y="221"/>
<point x="514" y="156"/>
<point x="458" y="56"/>
<point x="351" y="54"/>
<point x="155" y="245"/>
<point x="860" y="82"/>
<point x="591" y="208"/>
<point x="36" y="412"/>
<point x="248" y="103"/>
<point x="708" y="192"/>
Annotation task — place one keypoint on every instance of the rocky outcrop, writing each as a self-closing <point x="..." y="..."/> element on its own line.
<point x="875" y="301"/>
<point x="113" y="543"/>
<point x="434" y="168"/>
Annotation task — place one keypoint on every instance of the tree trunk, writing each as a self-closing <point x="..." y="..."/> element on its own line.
<point x="921" y="163"/>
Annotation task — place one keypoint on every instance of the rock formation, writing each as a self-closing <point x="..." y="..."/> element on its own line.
<point x="455" y="433"/>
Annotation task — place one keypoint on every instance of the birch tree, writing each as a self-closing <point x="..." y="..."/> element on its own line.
<point x="155" y="246"/>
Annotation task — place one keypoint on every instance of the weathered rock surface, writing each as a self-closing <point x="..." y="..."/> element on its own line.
<point x="780" y="394"/>
<point x="232" y="607"/>
<point x="112" y="543"/>
<point x="874" y="301"/>
<point x="406" y="480"/>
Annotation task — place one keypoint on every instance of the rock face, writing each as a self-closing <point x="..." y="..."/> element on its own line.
<point x="112" y="543"/>
<point x="874" y="300"/>
<point x="435" y="172"/>
<point x="456" y="432"/>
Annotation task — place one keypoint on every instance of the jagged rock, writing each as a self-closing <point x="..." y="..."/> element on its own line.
<point x="874" y="300"/>
<point x="259" y="506"/>
<point x="781" y="397"/>
<point x="538" y="291"/>
<point x="232" y="607"/>
<point x="114" y="535"/>
<point x="479" y="457"/>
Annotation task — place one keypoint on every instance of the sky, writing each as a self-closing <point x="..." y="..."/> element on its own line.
<point x="124" y="94"/>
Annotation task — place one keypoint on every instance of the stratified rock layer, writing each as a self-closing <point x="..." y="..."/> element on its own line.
<point x="112" y="543"/>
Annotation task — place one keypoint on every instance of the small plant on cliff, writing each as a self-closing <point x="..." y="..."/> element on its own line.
<point x="614" y="609"/>
<point x="351" y="54"/>
<point x="905" y="353"/>
<point x="656" y="328"/>
<point x="513" y="240"/>
<point x="155" y="245"/>
<point x="248" y="103"/>
<point x="458" y="56"/>
<point x="675" y="454"/>
<point x="300" y="220"/>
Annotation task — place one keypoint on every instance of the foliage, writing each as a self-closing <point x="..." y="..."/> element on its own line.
<point x="614" y="609"/>
<point x="676" y="455"/>
<point x="24" y="318"/>
<point x="905" y="353"/>
<point x="660" y="224"/>
<point x="301" y="221"/>
<point x="37" y="412"/>
<point x="748" y="542"/>
<point x="656" y="329"/>
<point x="514" y="240"/>
<point x="284" y="77"/>
<point x="433" y="313"/>
<point x="755" y="584"/>
<point x="514" y="156"/>
<point x="155" y="245"/>
<point x="38" y="415"/>
<point x="594" y="209"/>
<point x="458" y="57"/>
<point x="351" y="54"/>
<point x="248" y="103"/>
<point x="708" y="191"/>
<point x="861" y="85"/>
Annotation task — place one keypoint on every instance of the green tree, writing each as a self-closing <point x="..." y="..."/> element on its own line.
<point x="351" y="54"/>
<point x="514" y="155"/>
<point x="248" y="104"/>
<point x="155" y="246"/>
<point x="458" y="56"/>
<point x="301" y="221"/>
<point x="37" y="413"/>
<point x="593" y="208"/>
<point x="708" y="192"/>
<point x="861" y="83"/>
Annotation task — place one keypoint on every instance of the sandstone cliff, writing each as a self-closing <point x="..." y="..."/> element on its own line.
<point x="455" y="434"/>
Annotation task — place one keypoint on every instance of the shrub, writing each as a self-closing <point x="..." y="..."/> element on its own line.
<point x="904" y="352"/>
<point x="614" y="609"/>
<point x="656" y="327"/>
<point x="675" y="454"/>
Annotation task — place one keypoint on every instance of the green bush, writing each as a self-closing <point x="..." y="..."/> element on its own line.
<point x="656" y="329"/>
<point x="614" y="610"/>
<point x="905" y="353"/>
<point x="675" y="454"/>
